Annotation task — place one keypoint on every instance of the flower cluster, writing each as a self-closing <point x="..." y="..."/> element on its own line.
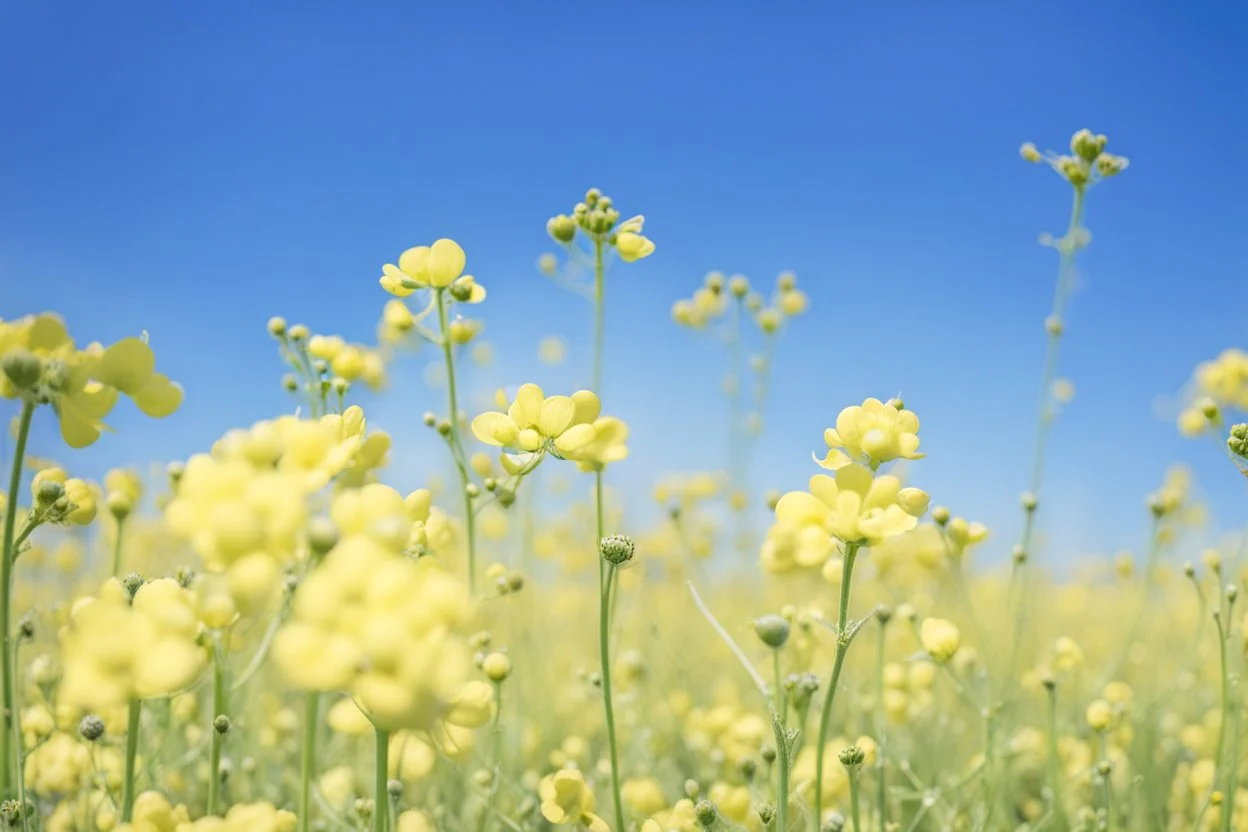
<point x="712" y="300"/>
<point x="566" y="427"/>
<point x="115" y="648"/>
<point x="1087" y="164"/>
<point x="42" y="364"/>
<point x="382" y="626"/>
<point x="597" y="218"/>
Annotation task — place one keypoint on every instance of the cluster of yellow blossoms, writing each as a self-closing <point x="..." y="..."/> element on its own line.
<point x="717" y="294"/>
<point x="568" y="427"/>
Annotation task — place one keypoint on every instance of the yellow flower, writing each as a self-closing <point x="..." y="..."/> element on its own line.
<point x="940" y="638"/>
<point x="425" y="267"/>
<point x="114" y="651"/>
<point x="566" y="798"/>
<point x="535" y="422"/>
<point x="871" y="434"/>
<point x="633" y="247"/>
<point x="854" y="507"/>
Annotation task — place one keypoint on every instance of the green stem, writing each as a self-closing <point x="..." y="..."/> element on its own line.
<point x="881" y="796"/>
<point x="1055" y="778"/>
<point x="132" y="750"/>
<point x="783" y="753"/>
<point x="606" y="572"/>
<point x="11" y="743"/>
<point x="17" y="731"/>
<point x="1225" y="768"/>
<point x="782" y="709"/>
<point x="1061" y="293"/>
<point x="457" y="448"/>
<point x="381" y="776"/>
<point x="842" y="647"/>
<point x="216" y="737"/>
<point x="121" y="524"/>
<point x="307" y="761"/>
<point x="599" y="314"/>
<point x="853" y="798"/>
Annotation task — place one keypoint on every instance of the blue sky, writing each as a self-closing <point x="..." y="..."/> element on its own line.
<point x="191" y="169"/>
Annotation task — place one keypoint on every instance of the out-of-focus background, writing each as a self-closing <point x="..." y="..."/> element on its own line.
<point x="191" y="169"/>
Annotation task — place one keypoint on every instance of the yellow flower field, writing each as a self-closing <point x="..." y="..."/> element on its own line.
<point x="267" y="637"/>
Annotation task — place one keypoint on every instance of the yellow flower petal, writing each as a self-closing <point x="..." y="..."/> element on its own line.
<point x="127" y="365"/>
<point x="445" y="263"/>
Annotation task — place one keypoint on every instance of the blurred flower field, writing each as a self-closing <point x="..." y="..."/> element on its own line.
<point x="266" y="637"/>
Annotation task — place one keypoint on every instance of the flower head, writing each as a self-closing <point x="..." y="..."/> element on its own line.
<point x="871" y="434"/>
<point x="854" y="506"/>
<point x="566" y="798"/>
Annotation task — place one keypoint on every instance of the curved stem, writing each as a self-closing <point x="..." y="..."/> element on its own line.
<point x="842" y="647"/>
<point x="307" y="761"/>
<point x="10" y="742"/>
<point x="381" y="776"/>
<point x="606" y="577"/>
<point x="457" y="448"/>
<point x="132" y="750"/>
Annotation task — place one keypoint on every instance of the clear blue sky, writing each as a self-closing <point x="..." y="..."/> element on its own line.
<point x="193" y="168"/>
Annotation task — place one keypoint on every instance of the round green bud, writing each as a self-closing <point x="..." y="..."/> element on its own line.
<point x="277" y="327"/>
<point x="91" y="727"/>
<point x="592" y="196"/>
<point x="132" y="582"/>
<point x="429" y="419"/>
<point x="221" y="724"/>
<point x="940" y="515"/>
<point x="617" y="548"/>
<point x="851" y="756"/>
<point x="299" y="332"/>
<point x="49" y="492"/>
<point x="290" y="383"/>
<point x="739" y="285"/>
<point x="772" y="630"/>
<point x="24" y="369"/>
<point x="394" y="788"/>
<point x="706" y="813"/>
<point x="120" y="505"/>
<point x="561" y="228"/>
<point x="461" y="291"/>
<point x="515" y="582"/>
<point x="322" y="535"/>
<point x="341" y="385"/>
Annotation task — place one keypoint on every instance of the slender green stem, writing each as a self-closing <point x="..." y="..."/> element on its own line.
<point x="215" y="736"/>
<point x="842" y="647"/>
<point x="121" y="525"/>
<point x="10" y="741"/>
<point x="736" y="472"/>
<point x="600" y="289"/>
<point x="1055" y="776"/>
<point x="782" y="708"/>
<point x="853" y="797"/>
<point x="881" y="796"/>
<point x="783" y="767"/>
<point x="1226" y="768"/>
<point x="606" y="574"/>
<point x="307" y="761"/>
<point x="132" y="750"/>
<point x="381" y="777"/>
<point x="17" y="731"/>
<point x="1044" y="416"/>
<point x="457" y="448"/>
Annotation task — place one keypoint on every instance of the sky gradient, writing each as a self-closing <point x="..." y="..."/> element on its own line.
<point x="191" y="169"/>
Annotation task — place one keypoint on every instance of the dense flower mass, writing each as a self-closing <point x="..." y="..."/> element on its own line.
<point x="273" y="636"/>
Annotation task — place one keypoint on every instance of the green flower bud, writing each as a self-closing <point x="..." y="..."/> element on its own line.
<point x="561" y="228"/>
<point x="24" y="369"/>
<point x="772" y="630"/>
<point x="221" y="724"/>
<point x="851" y="757"/>
<point x="617" y="548"/>
<point x="132" y="582"/>
<point x="706" y="813"/>
<point x="91" y="727"/>
<point x="49" y="492"/>
<point x="277" y="327"/>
